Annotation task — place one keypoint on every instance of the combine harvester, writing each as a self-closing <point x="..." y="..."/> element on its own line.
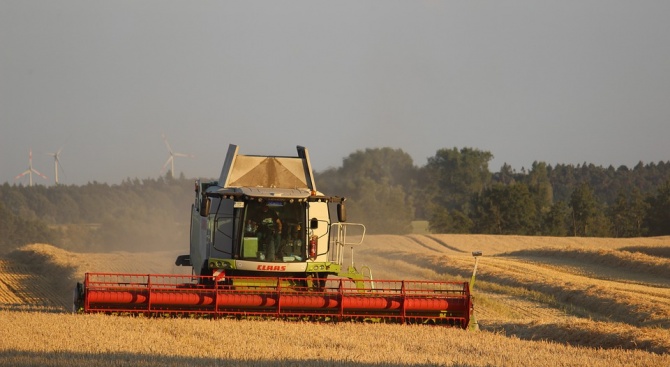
<point x="265" y="244"/>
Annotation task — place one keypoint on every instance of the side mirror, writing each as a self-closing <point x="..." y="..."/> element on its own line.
<point x="204" y="206"/>
<point x="183" y="260"/>
<point x="313" y="223"/>
<point x="341" y="212"/>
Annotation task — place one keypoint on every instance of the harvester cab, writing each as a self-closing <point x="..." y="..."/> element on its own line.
<point x="264" y="217"/>
<point x="265" y="243"/>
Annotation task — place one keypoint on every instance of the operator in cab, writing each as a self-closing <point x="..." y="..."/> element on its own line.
<point x="268" y="230"/>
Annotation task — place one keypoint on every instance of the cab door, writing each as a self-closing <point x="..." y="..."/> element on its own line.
<point x="318" y="226"/>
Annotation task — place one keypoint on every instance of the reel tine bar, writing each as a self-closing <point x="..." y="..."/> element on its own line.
<point x="336" y="299"/>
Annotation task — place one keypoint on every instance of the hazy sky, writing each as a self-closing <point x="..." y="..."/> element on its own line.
<point x="560" y="82"/>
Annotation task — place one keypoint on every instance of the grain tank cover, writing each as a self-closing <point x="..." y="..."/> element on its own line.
<point x="267" y="171"/>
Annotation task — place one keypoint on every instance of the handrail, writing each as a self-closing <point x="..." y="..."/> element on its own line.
<point x="340" y="240"/>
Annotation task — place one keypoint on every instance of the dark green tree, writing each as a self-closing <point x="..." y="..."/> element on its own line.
<point x="453" y="177"/>
<point x="588" y="219"/>
<point x="16" y="231"/>
<point x="378" y="184"/>
<point x="382" y="208"/>
<point x="444" y="221"/>
<point x="540" y="186"/>
<point x="383" y="165"/>
<point x="658" y="215"/>
<point x="627" y="214"/>
<point x="639" y="208"/>
<point x="506" y="175"/>
<point x="555" y="221"/>
<point x="505" y="209"/>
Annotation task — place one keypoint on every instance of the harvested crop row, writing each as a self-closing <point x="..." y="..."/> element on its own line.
<point x="154" y="342"/>
<point x="574" y="331"/>
<point x="26" y="284"/>
<point x="496" y="244"/>
<point x="617" y="301"/>
<point x="8" y="285"/>
<point x="631" y="262"/>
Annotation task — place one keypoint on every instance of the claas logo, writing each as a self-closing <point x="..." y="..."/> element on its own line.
<point x="271" y="267"/>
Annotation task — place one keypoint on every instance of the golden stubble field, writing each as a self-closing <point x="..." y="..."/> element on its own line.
<point x="540" y="301"/>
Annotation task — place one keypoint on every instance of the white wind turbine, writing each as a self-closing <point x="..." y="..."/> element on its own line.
<point x="170" y="160"/>
<point x="56" y="164"/>
<point x="30" y="170"/>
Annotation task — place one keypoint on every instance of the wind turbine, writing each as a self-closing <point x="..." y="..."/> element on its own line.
<point x="56" y="163"/>
<point x="30" y="170"/>
<point x="170" y="160"/>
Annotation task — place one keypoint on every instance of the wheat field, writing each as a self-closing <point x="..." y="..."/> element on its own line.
<point x="539" y="301"/>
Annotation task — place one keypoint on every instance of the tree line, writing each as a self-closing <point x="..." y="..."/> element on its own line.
<point x="455" y="192"/>
<point x="136" y="215"/>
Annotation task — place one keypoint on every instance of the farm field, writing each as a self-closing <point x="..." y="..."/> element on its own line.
<point x="538" y="301"/>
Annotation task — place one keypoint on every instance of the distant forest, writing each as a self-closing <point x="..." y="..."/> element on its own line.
<point x="455" y="192"/>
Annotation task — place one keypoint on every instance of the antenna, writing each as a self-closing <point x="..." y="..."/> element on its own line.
<point x="30" y="170"/>
<point x="57" y="164"/>
<point x="170" y="160"/>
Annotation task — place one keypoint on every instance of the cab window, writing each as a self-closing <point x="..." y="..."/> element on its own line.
<point x="274" y="231"/>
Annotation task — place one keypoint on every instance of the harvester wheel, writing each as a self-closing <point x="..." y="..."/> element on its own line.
<point x="78" y="298"/>
<point x="318" y="281"/>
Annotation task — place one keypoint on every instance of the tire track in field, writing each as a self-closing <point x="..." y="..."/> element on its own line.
<point x="409" y="265"/>
<point x="622" y="262"/>
<point x="631" y="286"/>
<point x="504" y="307"/>
<point x="606" y="300"/>
<point x="445" y="245"/>
<point x="420" y="240"/>
<point x="561" y="288"/>
<point x="558" y="290"/>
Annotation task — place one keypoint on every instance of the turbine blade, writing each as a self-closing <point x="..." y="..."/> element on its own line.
<point x="39" y="174"/>
<point x="167" y="163"/>
<point x="22" y="174"/>
<point x="183" y="155"/>
<point x="167" y="144"/>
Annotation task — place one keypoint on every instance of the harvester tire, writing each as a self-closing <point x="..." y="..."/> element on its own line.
<point x="78" y="298"/>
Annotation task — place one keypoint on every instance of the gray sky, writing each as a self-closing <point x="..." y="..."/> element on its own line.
<point x="560" y="82"/>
